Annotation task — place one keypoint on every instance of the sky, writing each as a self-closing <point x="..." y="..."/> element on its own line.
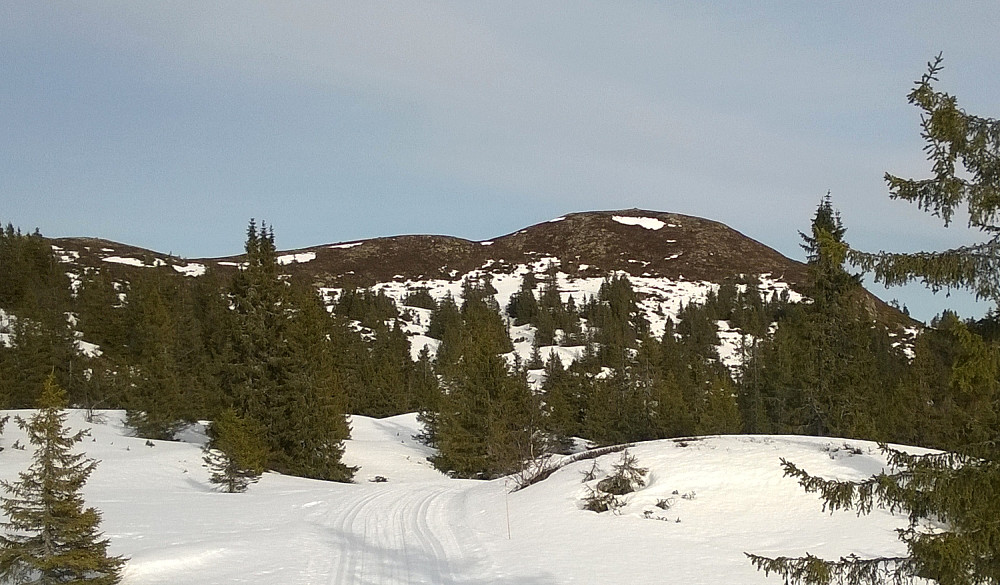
<point x="168" y="125"/>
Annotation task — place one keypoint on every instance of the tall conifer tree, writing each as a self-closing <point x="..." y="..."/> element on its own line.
<point x="280" y="366"/>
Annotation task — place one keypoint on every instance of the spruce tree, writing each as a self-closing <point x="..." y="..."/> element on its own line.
<point x="827" y="366"/>
<point x="523" y="306"/>
<point x="564" y="404"/>
<point x="36" y="351"/>
<point x="957" y="489"/>
<point x="487" y="419"/>
<point x="236" y="452"/>
<point x="280" y="367"/>
<point x="154" y="401"/>
<point x="51" y="537"/>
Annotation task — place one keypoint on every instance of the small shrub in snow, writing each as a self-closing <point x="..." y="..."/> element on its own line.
<point x="591" y="474"/>
<point x="598" y="501"/>
<point x="849" y="449"/>
<point x="650" y="515"/>
<point x="664" y="503"/>
<point x="626" y="478"/>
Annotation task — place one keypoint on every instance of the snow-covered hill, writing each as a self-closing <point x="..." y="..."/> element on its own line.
<point x="671" y="260"/>
<point x="723" y="496"/>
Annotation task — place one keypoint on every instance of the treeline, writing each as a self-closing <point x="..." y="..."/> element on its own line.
<point x="173" y="350"/>
<point x="259" y="345"/>
<point x="827" y="366"/>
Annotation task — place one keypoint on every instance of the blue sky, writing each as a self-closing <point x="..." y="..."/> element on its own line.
<point x="168" y="125"/>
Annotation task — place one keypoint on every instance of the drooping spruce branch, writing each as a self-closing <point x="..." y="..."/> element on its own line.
<point x="846" y="571"/>
<point x="952" y="499"/>
<point x="975" y="268"/>
<point x="964" y="151"/>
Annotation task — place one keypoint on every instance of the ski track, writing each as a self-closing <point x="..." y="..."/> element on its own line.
<point x="385" y="536"/>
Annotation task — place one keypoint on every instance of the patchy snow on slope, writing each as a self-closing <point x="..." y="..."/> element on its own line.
<point x="296" y="258"/>
<point x="65" y="256"/>
<point x="659" y="299"/>
<point x="346" y="246"/>
<point x="905" y="339"/>
<point x="731" y="348"/>
<point x="190" y="269"/>
<point x="723" y="495"/>
<point x="85" y="348"/>
<point x="75" y="282"/>
<point x="127" y="261"/>
<point x="770" y="287"/>
<point x="557" y="219"/>
<point x="134" y="262"/>
<point x="650" y="223"/>
<point x="419" y="341"/>
<point x="6" y="323"/>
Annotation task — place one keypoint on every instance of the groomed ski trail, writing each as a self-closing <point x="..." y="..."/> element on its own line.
<point x="401" y="534"/>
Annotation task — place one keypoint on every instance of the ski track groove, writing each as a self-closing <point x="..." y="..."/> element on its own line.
<point x="346" y="567"/>
<point x="421" y="527"/>
<point x="395" y="519"/>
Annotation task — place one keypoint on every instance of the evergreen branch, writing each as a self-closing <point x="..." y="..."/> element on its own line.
<point x="850" y="570"/>
<point x="976" y="268"/>
<point x="882" y="491"/>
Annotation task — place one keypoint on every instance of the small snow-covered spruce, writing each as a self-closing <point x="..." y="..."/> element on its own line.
<point x="626" y="477"/>
<point x="236" y="452"/>
<point x="49" y="536"/>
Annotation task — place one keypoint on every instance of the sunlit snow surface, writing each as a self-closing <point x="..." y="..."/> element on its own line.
<point x="726" y="495"/>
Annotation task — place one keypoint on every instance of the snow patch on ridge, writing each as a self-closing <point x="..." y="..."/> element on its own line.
<point x="650" y="223"/>
<point x="193" y="269"/>
<point x="346" y="246"/>
<point x="296" y="258"/>
<point x="134" y="262"/>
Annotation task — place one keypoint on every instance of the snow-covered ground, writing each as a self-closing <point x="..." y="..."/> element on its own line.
<point x="725" y="495"/>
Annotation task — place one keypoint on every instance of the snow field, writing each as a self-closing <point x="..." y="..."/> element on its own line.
<point x="421" y="527"/>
